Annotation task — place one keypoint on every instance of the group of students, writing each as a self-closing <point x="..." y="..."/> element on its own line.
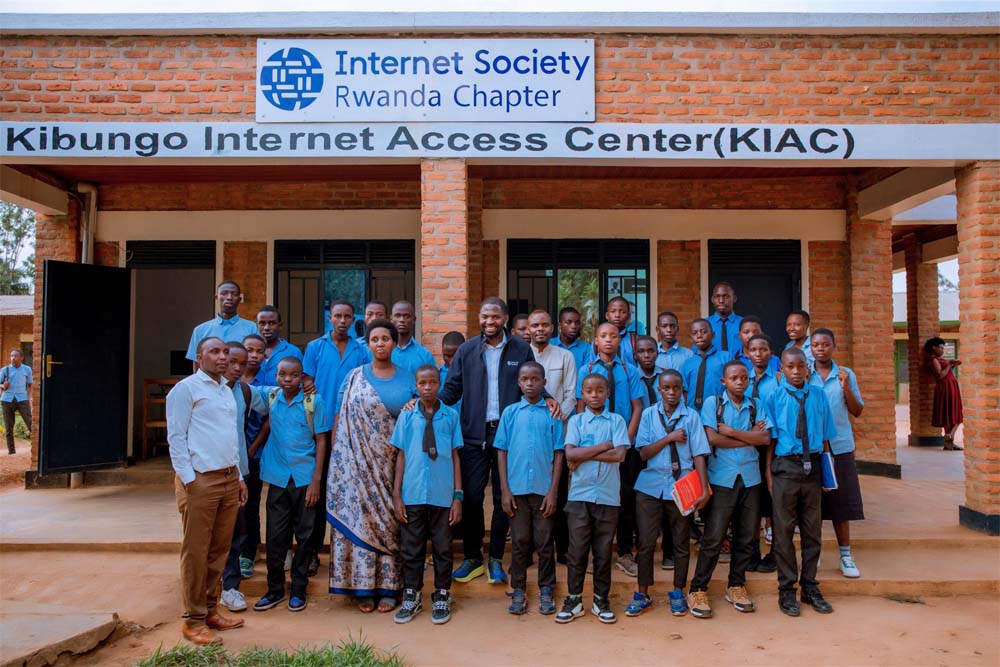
<point x="568" y="487"/>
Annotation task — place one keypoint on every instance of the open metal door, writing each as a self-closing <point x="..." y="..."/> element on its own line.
<point x="84" y="367"/>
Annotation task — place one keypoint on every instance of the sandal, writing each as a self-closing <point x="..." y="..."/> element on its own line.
<point x="366" y="605"/>
<point x="386" y="604"/>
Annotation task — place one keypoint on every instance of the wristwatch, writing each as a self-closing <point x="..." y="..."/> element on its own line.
<point x="458" y="495"/>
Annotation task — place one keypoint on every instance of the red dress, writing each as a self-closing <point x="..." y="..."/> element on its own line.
<point x="947" y="398"/>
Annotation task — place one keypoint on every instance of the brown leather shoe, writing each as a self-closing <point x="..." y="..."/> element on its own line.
<point x="221" y="623"/>
<point x="201" y="635"/>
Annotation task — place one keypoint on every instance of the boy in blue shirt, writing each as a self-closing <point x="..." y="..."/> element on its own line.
<point x="750" y="326"/>
<point x="292" y="465"/>
<point x="702" y="373"/>
<point x="764" y="377"/>
<point x="803" y="429"/>
<point x="16" y="381"/>
<point x="619" y="313"/>
<point x="669" y="353"/>
<point x="735" y="425"/>
<point x="724" y="322"/>
<point x="276" y="348"/>
<point x="645" y="356"/>
<point x="797" y="328"/>
<point x="672" y="442"/>
<point x="427" y="494"/>
<point x="408" y="353"/>
<point x="570" y="327"/>
<point x="596" y="442"/>
<point x="530" y="460"/>
<point x="256" y="431"/>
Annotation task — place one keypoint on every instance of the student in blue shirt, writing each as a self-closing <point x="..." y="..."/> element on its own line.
<point x="569" y="338"/>
<point x="645" y="355"/>
<point x="292" y="464"/>
<point x="750" y="326"/>
<point x="227" y="325"/>
<point x="735" y="425"/>
<point x="374" y="310"/>
<point x="844" y="504"/>
<point x="276" y="348"/>
<point x="803" y="429"/>
<point x="529" y="448"/>
<point x="519" y="327"/>
<point x="596" y="442"/>
<point x="427" y="495"/>
<point x="724" y="322"/>
<point x="408" y="354"/>
<point x="619" y="313"/>
<point x="449" y="346"/>
<point x="16" y="381"/>
<point x="797" y="328"/>
<point x="256" y="431"/>
<point x="702" y="373"/>
<point x="672" y="442"/>
<point x="669" y="353"/>
<point x="764" y="381"/>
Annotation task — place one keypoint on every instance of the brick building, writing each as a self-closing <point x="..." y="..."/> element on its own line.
<point x="690" y="175"/>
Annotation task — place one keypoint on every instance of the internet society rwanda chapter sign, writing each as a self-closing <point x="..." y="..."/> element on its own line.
<point x="425" y="80"/>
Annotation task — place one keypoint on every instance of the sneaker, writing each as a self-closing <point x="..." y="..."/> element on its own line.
<point x="233" y="600"/>
<point x="546" y="601"/>
<point x="410" y="606"/>
<point x="848" y="567"/>
<point x="496" y="575"/>
<point x="768" y="535"/>
<point x="246" y="567"/>
<point x="572" y="608"/>
<point x="678" y="604"/>
<point x="739" y="597"/>
<point x="667" y="563"/>
<point x="469" y="570"/>
<point x="313" y="568"/>
<point x="726" y="552"/>
<point x="813" y="597"/>
<point x="788" y="604"/>
<point x="640" y="604"/>
<point x="296" y="603"/>
<point x="269" y="601"/>
<point x="626" y="563"/>
<point x="700" y="606"/>
<point x="518" y="603"/>
<point x="441" y="607"/>
<point x="602" y="609"/>
<point x="288" y="561"/>
<point x="768" y="563"/>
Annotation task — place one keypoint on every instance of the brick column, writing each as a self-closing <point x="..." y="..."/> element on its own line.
<point x="678" y="275"/>
<point x="476" y="253"/>
<point x="922" y="322"/>
<point x="245" y="262"/>
<point x="871" y="341"/>
<point x="829" y="291"/>
<point x="444" y="250"/>
<point x="978" y="190"/>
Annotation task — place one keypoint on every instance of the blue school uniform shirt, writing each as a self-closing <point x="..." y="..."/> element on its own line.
<point x="773" y="364"/>
<point x="235" y="328"/>
<point x="324" y="363"/>
<point x="595" y="481"/>
<point x="768" y="383"/>
<point x="19" y="377"/>
<point x="784" y="410"/>
<point x="716" y="361"/>
<point x="268" y="372"/>
<point x="394" y="392"/>
<point x="427" y="481"/>
<point x="657" y="479"/>
<point x="843" y="442"/>
<point x="726" y="464"/>
<point x="672" y="357"/>
<point x="412" y="356"/>
<point x="627" y="385"/>
<point x="625" y="351"/>
<point x="242" y="419"/>
<point x="531" y="437"/>
<point x="583" y="352"/>
<point x="290" y="452"/>
<point x="806" y="350"/>
<point x="732" y="332"/>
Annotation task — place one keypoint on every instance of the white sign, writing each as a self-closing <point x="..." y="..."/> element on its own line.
<point x="906" y="144"/>
<point x="424" y="80"/>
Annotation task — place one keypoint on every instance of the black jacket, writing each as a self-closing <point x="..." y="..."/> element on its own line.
<point x="467" y="381"/>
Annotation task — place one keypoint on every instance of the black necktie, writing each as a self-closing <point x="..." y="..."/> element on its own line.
<point x="802" y="429"/>
<point x="675" y="459"/>
<point x="429" y="443"/>
<point x="756" y="387"/>
<point x="610" y="368"/>
<point x="699" y="386"/>
<point x="650" y="388"/>
<point x="725" y="337"/>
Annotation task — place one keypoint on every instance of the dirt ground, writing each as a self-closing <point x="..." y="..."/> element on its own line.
<point x="12" y="467"/>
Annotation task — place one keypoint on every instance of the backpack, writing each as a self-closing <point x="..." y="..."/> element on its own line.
<point x="246" y="401"/>
<point x="718" y="414"/>
<point x="307" y="402"/>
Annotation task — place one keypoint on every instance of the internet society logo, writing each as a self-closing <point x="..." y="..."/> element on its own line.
<point x="291" y="79"/>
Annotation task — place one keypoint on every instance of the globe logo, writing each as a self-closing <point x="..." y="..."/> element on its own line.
<point x="291" y="79"/>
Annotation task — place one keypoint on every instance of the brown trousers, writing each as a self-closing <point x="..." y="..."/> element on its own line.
<point x="208" y="508"/>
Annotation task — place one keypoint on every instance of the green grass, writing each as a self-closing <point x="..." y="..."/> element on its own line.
<point x="348" y="653"/>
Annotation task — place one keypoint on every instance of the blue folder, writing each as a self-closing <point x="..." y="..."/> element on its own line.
<point x="829" y="474"/>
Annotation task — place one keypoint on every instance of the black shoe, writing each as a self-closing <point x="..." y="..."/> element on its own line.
<point x="813" y="597"/>
<point x="768" y="563"/>
<point x="787" y="603"/>
<point x="313" y="568"/>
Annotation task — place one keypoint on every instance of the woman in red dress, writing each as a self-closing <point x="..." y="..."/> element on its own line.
<point x="947" y="412"/>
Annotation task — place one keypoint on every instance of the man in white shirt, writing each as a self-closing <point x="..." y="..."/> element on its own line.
<point x="204" y="450"/>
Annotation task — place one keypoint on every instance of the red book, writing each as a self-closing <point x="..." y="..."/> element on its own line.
<point x="686" y="492"/>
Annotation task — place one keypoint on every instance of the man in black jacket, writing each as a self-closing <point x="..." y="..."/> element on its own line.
<point x="483" y="374"/>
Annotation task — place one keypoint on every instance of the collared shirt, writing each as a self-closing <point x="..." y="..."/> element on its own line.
<point x="628" y="386"/>
<point x="843" y="442"/>
<point x="773" y="365"/>
<point x="784" y="410"/>
<point x="235" y="328"/>
<point x="582" y="351"/>
<point x="20" y="378"/>
<point x="531" y="437"/>
<point x="650" y="381"/>
<point x="560" y="375"/>
<point x="672" y="357"/>
<point x="596" y="481"/>
<point x="716" y="361"/>
<point x="201" y="426"/>
<point x="732" y="332"/>
<point x="768" y="383"/>
<point x="256" y="404"/>
<point x="657" y="478"/>
<point x="324" y="363"/>
<point x="426" y="481"/>
<point x="412" y="356"/>
<point x="727" y="463"/>
<point x="290" y="452"/>
<point x="491" y="359"/>
<point x="806" y="350"/>
<point x="268" y="372"/>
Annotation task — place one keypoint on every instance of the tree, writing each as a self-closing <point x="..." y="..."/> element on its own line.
<point x="17" y="229"/>
<point x="944" y="284"/>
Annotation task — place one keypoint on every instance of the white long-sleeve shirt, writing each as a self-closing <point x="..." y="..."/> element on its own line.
<point x="560" y="375"/>
<point x="201" y="426"/>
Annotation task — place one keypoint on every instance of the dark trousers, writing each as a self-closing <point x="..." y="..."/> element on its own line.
<point x="591" y="530"/>
<point x="629" y="471"/>
<point x="739" y="505"/>
<point x="9" y="415"/>
<point x="287" y="515"/>
<point x="479" y="466"/>
<point x="423" y="523"/>
<point x="251" y="543"/>
<point x="797" y="499"/>
<point x="650" y="515"/>
<point x="319" y="516"/>
<point x="559" y="529"/>
<point x="531" y="530"/>
<point x="231" y="575"/>
<point x="764" y="506"/>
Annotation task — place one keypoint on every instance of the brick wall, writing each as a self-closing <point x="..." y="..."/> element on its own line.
<point x="476" y="268"/>
<point x="828" y="292"/>
<point x="106" y="253"/>
<point x="678" y="277"/>
<point x="922" y="322"/>
<point x="11" y="329"/>
<point x="640" y="78"/>
<point x="244" y="262"/>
